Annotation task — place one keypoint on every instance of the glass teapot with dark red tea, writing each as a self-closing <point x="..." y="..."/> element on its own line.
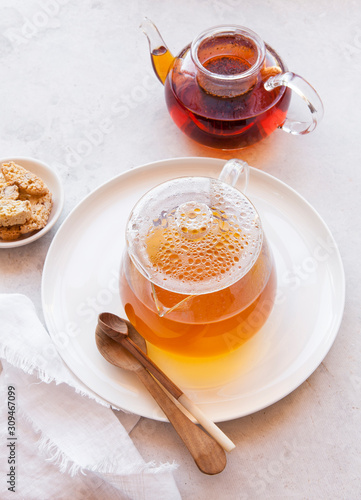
<point x="228" y="89"/>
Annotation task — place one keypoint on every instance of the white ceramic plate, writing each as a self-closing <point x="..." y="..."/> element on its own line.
<point x="52" y="180"/>
<point x="80" y="280"/>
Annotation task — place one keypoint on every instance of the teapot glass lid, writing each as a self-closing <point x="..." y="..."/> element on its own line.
<point x="194" y="235"/>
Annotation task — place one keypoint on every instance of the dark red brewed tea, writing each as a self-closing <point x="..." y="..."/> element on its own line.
<point x="217" y="121"/>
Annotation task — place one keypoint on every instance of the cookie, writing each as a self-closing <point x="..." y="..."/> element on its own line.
<point x="27" y="181"/>
<point x="25" y="202"/>
<point x="40" y="210"/>
<point x="10" y="233"/>
<point x="14" y="212"/>
<point x="9" y="191"/>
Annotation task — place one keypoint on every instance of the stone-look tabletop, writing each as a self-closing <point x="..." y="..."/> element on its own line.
<point x="77" y="91"/>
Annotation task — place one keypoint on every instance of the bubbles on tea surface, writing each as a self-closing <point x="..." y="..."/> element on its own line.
<point x="227" y="247"/>
<point x="194" y="235"/>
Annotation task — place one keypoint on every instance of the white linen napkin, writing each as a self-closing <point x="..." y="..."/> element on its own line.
<point x="68" y="444"/>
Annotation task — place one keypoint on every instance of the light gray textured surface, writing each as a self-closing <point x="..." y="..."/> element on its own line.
<point x="77" y="91"/>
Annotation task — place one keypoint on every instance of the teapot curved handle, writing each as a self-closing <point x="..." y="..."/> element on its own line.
<point x="235" y="171"/>
<point x="307" y="93"/>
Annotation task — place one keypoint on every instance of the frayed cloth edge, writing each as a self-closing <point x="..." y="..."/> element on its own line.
<point x="31" y="368"/>
<point x="54" y="455"/>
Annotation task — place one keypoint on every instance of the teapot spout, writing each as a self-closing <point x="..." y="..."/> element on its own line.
<point x="161" y="57"/>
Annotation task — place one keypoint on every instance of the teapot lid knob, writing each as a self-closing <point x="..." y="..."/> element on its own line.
<point x="194" y="219"/>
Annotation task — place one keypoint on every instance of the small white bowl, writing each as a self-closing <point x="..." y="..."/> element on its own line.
<point x="53" y="182"/>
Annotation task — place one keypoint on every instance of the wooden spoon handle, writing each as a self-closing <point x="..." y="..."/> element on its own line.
<point x="142" y="357"/>
<point x="206" y="452"/>
<point x="207" y="423"/>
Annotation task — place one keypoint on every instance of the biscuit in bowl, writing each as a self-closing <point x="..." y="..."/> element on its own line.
<point x="25" y="180"/>
<point x="25" y="202"/>
<point x="9" y="190"/>
<point x="40" y="211"/>
<point x="14" y="212"/>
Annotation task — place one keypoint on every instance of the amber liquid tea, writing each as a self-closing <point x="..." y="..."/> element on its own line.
<point x="209" y="324"/>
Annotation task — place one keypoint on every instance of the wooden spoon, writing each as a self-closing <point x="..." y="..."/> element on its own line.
<point x="208" y="455"/>
<point x="125" y="334"/>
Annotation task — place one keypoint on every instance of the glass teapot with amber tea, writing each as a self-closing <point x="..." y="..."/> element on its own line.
<point x="228" y="89"/>
<point x="198" y="277"/>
